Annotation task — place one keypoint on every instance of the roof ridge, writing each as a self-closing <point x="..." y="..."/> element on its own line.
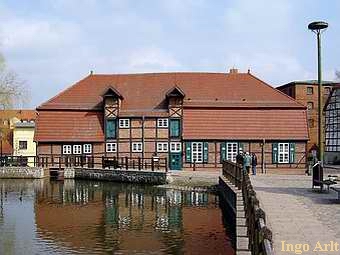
<point x="276" y="90"/>
<point x="166" y="73"/>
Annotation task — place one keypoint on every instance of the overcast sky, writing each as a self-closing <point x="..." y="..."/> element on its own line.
<point x="53" y="43"/>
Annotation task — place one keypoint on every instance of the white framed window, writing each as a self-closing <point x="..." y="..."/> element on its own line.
<point x="232" y="150"/>
<point x="67" y="149"/>
<point x="162" y="147"/>
<point x="283" y="152"/>
<point x="175" y="147"/>
<point x="137" y="147"/>
<point x="111" y="147"/>
<point x="76" y="149"/>
<point x="87" y="148"/>
<point x="124" y="123"/>
<point x="162" y="123"/>
<point x="197" y="152"/>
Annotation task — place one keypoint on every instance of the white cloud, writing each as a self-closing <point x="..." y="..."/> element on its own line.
<point x="152" y="59"/>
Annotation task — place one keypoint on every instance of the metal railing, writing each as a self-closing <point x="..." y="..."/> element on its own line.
<point x="87" y="161"/>
<point x="260" y="236"/>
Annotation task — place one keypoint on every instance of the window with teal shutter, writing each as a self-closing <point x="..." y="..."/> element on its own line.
<point x="240" y="147"/>
<point x="175" y="128"/>
<point x="205" y="152"/>
<point x="223" y="152"/>
<point x="111" y="128"/>
<point x="275" y="153"/>
<point x="188" y="152"/>
<point x="292" y="153"/>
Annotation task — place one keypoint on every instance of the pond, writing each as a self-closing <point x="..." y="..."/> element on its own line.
<point x="88" y="217"/>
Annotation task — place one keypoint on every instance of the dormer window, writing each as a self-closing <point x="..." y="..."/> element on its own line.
<point x="124" y="123"/>
<point x="175" y="92"/>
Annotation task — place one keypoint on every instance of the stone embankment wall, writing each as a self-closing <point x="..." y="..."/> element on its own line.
<point x="120" y="175"/>
<point x="22" y="172"/>
<point x="233" y="199"/>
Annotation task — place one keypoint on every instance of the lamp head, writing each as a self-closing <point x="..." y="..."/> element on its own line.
<point x="317" y="26"/>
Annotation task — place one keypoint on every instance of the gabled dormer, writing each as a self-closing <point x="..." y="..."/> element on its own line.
<point x="175" y="98"/>
<point x="111" y="101"/>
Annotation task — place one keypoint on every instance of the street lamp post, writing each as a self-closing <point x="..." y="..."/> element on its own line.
<point x="317" y="27"/>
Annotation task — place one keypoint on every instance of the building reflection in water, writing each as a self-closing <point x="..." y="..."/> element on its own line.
<point x="102" y="217"/>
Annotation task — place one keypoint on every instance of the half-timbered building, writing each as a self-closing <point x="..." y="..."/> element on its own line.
<point x="332" y="126"/>
<point x="195" y="120"/>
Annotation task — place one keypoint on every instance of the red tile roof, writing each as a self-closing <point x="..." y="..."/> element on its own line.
<point x="247" y="124"/>
<point x="147" y="92"/>
<point x="20" y="114"/>
<point x="69" y="126"/>
<point x="69" y="116"/>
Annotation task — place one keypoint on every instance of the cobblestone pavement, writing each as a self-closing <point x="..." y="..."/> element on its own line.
<point x="297" y="214"/>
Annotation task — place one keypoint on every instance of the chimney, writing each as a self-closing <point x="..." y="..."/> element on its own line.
<point x="233" y="70"/>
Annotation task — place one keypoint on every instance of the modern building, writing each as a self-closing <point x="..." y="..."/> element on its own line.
<point x="306" y="93"/>
<point x="195" y="120"/>
<point x="332" y="127"/>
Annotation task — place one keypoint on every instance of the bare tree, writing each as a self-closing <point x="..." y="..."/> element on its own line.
<point x="13" y="92"/>
<point x="337" y="75"/>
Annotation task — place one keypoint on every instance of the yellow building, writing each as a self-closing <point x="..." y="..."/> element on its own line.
<point x="23" y="144"/>
<point x="8" y="118"/>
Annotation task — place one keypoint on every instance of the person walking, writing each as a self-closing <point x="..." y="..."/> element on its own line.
<point x="253" y="163"/>
<point x="247" y="162"/>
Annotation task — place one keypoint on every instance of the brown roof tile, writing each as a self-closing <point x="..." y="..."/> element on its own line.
<point x="70" y="126"/>
<point x="148" y="91"/>
<point x="245" y="124"/>
<point x="20" y="114"/>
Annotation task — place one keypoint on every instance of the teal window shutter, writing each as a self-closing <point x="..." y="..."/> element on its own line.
<point x="175" y="128"/>
<point x="223" y="151"/>
<point x="111" y="128"/>
<point x="240" y="147"/>
<point x="292" y="153"/>
<point x="275" y="153"/>
<point x="188" y="152"/>
<point x="205" y="152"/>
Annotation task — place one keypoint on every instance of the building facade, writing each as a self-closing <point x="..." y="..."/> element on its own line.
<point x="8" y="121"/>
<point x="332" y="127"/>
<point x="306" y="93"/>
<point x="195" y="120"/>
<point x="23" y="144"/>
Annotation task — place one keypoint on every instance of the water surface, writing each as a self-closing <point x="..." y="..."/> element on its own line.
<point x="85" y="217"/>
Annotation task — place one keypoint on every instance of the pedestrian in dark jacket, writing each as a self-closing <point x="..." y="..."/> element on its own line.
<point x="239" y="158"/>
<point x="253" y="163"/>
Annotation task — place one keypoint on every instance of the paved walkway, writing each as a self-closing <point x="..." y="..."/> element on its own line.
<point x="296" y="214"/>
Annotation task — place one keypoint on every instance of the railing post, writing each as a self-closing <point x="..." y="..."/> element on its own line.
<point x="139" y="162"/>
<point x="60" y="163"/>
<point x="126" y="163"/>
<point x="166" y="164"/>
<point x="103" y="162"/>
<point x="152" y="165"/>
<point x="194" y="169"/>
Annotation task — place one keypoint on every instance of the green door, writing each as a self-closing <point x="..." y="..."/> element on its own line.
<point x="175" y="161"/>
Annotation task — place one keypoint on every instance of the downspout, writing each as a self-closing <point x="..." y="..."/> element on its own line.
<point x="143" y="120"/>
<point x="263" y="156"/>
